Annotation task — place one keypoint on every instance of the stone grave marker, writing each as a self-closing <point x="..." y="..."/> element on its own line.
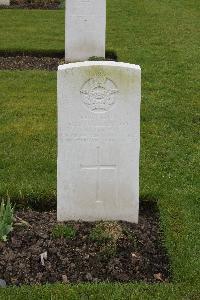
<point x="85" y="28"/>
<point x="98" y="141"/>
<point x="4" y="2"/>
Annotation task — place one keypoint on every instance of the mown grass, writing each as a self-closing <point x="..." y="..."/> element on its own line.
<point x="162" y="37"/>
<point x="102" y="291"/>
<point x="32" y="31"/>
<point x="28" y="137"/>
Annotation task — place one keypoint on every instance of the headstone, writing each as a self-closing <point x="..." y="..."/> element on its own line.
<point x="2" y="283"/>
<point x="85" y="28"/>
<point x="98" y="141"/>
<point x="4" y="2"/>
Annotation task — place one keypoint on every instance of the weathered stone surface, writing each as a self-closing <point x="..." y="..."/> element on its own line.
<point x="4" y="2"/>
<point x="98" y="141"/>
<point x="2" y="283"/>
<point x="85" y="28"/>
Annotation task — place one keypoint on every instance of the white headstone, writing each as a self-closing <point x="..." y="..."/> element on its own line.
<point x="85" y="28"/>
<point x="98" y="141"/>
<point x="4" y="2"/>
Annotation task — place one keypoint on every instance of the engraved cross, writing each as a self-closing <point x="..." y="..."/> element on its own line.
<point x="98" y="167"/>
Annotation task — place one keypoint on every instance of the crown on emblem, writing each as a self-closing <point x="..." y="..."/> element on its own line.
<point x="99" y="94"/>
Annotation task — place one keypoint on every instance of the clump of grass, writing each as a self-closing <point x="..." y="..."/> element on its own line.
<point x="64" y="231"/>
<point x="105" y="231"/>
<point x="106" y="234"/>
<point x="99" y="235"/>
<point x="6" y="219"/>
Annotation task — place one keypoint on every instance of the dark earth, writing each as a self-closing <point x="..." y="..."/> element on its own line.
<point x="36" y="61"/>
<point x="34" y="4"/>
<point x="139" y="254"/>
<point x="25" y="62"/>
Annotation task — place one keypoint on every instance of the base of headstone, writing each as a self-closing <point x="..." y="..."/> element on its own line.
<point x="98" y="141"/>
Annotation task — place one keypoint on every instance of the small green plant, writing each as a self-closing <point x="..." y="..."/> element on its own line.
<point x="99" y="235"/>
<point x="6" y="219"/>
<point x="106" y="231"/>
<point x="66" y="231"/>
<point x="106" y="234"/>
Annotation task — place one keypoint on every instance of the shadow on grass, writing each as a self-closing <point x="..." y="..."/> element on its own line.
<point x="148" y="203"/>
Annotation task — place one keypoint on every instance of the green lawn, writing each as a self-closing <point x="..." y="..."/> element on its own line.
<point x="28" y="131"/>
<point x="40" y="31"/>
<point x="162" y="37"/>
<point x="103" y="292"/>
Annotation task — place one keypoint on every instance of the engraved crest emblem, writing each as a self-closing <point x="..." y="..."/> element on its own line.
<point x="99" y="94"/>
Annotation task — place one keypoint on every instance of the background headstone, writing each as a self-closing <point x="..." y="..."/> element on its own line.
<point x="98" y="141"/>
<point x="4" y="2"/>
<point x="2" y="283"/>
<point x="85" y="28"/>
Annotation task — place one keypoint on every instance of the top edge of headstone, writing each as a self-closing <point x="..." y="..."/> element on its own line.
<point x="98" y="63"/>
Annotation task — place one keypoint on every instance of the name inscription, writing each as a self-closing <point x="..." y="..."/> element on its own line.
<point x="101" y="130"/>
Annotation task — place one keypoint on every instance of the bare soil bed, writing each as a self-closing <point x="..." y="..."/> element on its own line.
<point x="20" y="61"/>
<point x="28" y="4"/>
<point x="26" y="62"/>
<point x="138" y="253"/>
